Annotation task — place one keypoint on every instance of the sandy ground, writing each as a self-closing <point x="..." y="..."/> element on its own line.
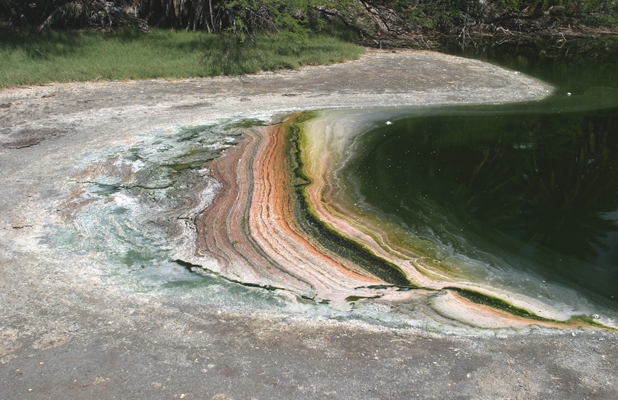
<point x="66" y="330"/>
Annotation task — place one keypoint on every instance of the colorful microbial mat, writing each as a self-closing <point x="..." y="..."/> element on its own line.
<point x="462" y="218"/>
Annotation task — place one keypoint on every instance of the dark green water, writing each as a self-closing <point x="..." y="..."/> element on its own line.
<point x="530" y="188"/>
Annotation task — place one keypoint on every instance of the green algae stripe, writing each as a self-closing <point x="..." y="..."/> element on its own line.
<point x="494" y="302"/>
<point x="480" y="298"/>
<point x="196" y="267"/>
<point x="589" y="320"/>
<point x="357" y="298"/>
<point x="327" y="237"/>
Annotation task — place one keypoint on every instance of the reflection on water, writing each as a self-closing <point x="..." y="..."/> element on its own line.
<point x="532" y="187"/>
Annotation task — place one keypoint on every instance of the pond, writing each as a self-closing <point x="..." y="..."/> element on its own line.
<point x="418" y="216"/>
<point x="529" y="191"/>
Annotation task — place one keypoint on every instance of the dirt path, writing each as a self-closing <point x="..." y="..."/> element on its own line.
<point x="68" y="331"/>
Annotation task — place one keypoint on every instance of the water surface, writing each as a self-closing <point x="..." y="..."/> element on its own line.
<point x="528" y="188"/>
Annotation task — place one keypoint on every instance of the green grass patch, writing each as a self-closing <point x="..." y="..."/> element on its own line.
<point x="62" y="56"/>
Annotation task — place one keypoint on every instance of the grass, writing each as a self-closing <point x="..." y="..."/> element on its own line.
<point x="27" y="58"/>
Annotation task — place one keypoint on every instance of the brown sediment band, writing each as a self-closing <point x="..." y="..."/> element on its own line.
<point x="252" y="232"/>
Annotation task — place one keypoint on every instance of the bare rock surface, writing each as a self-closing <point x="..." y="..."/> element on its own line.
<point x="67" y="330"/>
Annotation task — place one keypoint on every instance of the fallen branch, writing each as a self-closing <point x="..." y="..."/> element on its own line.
<point x="37" y="50"/>
<point x="97" y="12"/>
